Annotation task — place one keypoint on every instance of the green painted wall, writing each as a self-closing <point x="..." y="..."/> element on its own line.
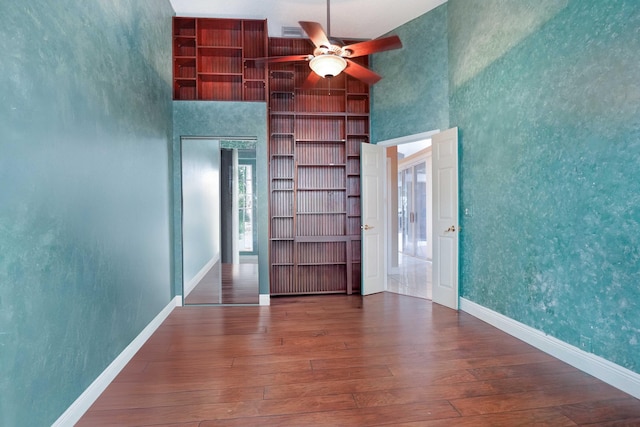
<point x="85" y="128"/>
<point x="412" y="96"/>
<point x="550" y="167"/>
<point x="546" y="95"/>
<point x="223" y="119"/>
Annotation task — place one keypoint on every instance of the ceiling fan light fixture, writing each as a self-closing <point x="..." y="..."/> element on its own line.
<point x="328" y="65"/>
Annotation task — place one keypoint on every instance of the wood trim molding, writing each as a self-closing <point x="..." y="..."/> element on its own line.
<point x="77" y="409"/>
<point x="615" y="375"/>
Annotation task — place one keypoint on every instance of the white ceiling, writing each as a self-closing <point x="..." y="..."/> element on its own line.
<point x="358" y="19"/>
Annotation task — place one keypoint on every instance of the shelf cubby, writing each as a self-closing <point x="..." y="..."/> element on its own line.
<point x="281" y="145"/>
<point x="219" y="60"/>
<point x="254" y="90"/>
<point x="184" y="47"/>
<point x="358" y="104"/>
<point x="184" y="27"/>
<point x="219" y="87"/>
<point x="318" y="102"/>
<point x="282" y="228"/>
<point x="184" y="88"/>
<point x="282" y="203"/>
<point x="282" y="124"/>
<point x="327" y="224"/>
<point x="219" y="32"/>
<point x="184" y="68"/>
<point x="281" y="102"/>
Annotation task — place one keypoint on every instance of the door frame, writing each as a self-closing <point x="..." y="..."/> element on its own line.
<point x="179" y="214"/>
<point x="417" y="137"/>
<point x="402" y="140"/>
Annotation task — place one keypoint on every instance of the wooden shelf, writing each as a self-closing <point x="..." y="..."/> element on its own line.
<point x="322" y="189"/>
<point x="325" y="165"/>
<point x="321" y="213"/>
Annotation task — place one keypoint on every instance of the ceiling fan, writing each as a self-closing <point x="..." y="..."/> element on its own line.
<point x="330" y="57"/>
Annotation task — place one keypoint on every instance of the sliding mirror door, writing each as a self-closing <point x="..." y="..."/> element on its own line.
<point x="218" y="222"/>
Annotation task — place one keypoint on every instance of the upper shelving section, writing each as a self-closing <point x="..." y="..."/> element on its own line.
<point x="215" y="59"/>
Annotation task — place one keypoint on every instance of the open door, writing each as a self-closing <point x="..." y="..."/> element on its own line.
<point x="445" y="218"/>
<point x="372" y="173"/>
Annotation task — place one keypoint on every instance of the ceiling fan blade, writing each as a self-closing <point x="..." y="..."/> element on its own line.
<point x="290" y="58"/>
<point x="311" y="81"/>
<point x="361" y="73"/>
<point x="373" y="46"/>
<point x="315" y="33"/>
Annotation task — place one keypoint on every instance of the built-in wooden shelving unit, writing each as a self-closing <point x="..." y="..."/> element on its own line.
<point x="215" y="59"/>
<point x="314" y="150"/>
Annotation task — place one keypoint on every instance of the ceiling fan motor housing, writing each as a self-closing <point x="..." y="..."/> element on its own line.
<point x="328" y="64"/>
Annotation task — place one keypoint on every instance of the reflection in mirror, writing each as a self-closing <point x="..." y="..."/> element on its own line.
<point x="220" y="257"/>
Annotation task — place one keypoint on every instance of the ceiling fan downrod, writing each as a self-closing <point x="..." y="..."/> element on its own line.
<point x="328" y="18"/>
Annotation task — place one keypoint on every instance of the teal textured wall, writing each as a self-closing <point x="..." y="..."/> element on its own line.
<point x="200" y="204"/>
<point x="412" y="96"/>
<point x="223" y="119"/>
<point x="550" y="143"/>
<point x="546" y="95"/>
<point x="85" y="128"/>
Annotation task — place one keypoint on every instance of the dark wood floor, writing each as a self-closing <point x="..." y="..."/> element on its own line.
<point x="336" y="360"/>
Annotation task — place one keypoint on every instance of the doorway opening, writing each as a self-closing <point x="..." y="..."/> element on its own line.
<point x="247" y="227"/>
<point x="219" y="227"/>
<point x="409" y="269"/>
<point x="444" y="218"/>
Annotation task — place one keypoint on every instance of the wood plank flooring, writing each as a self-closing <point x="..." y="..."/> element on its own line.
<point x="338" y="360"/>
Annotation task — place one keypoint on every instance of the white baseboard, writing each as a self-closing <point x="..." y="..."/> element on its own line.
<point x="615" y="375"/>
<point x="265" y="299"/>
<point x="198" y="277"/>
<point x="77" y="409"/>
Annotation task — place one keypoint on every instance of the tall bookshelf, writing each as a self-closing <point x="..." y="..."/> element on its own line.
<point x="314" y="155"/>
<point x="215" y="59"/>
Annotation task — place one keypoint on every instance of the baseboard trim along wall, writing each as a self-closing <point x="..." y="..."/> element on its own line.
<point x="265" y="299"/>
<point x="615" y="375"/>
<point x="77" y="409"/>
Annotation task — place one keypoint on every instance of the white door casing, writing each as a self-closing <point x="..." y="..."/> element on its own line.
<point x="372" y="173"/>
<point x="445" y="218"/>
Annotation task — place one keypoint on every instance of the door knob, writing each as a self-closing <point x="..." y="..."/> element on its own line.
<point x="366" y="227"/>
<point x="451" y="229"/>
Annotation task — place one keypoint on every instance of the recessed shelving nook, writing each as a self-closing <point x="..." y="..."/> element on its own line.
<point x="215" y="59"/>
<point x="314" y="150"/>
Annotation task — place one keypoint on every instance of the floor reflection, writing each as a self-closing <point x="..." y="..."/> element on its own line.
<point x="412" y="277"/>
<point x="228" y="284"/>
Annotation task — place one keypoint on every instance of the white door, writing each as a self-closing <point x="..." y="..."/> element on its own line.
<point x="372" y="173"/>
<point x="445" y="218"/>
